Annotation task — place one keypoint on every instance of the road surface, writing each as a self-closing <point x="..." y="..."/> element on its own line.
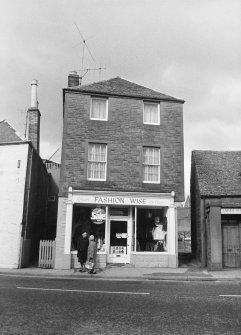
<point x="80" y="306"/>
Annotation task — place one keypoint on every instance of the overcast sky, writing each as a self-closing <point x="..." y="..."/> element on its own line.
<point x="189" y="49"/>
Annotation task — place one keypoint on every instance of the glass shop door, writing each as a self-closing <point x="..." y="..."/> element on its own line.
<point x="119" y="248"/>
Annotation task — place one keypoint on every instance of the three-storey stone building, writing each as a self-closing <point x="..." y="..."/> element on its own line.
<point x="122" y="172"/>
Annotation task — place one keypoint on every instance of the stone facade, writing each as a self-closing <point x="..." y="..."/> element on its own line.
<point x="125" y="135"/>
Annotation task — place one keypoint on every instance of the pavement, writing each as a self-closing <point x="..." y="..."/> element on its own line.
<point x="191" y="271"/>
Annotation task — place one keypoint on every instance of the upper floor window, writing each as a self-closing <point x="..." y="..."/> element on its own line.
<point x="151" y="165"/>
<point x="151" y="113"/>
<point x="97" y="161"/>
<point x="99" y="109"/>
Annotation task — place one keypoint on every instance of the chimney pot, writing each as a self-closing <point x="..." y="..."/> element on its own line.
<point x="34" y="97"/>
<point x="73" y="79"/>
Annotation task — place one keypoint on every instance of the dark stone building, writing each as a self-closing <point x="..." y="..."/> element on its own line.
<point x="216" y="208"/>
<point x="122" y="171"/>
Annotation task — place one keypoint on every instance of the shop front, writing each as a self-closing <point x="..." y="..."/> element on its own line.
<point x="135" y="228"/>
<point x="231" y="237"/>
<point x="223" y="234"/>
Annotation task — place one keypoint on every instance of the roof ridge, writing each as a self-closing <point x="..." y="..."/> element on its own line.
<point x="143" y="85"/>
<point x="123" y="87"/>
<point x="97" y="82"/>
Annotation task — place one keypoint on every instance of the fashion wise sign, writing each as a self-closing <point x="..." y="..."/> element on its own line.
<point x="120" y="200"/>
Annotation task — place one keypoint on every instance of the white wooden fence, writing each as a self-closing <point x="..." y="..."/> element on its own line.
<point x="46" y="254"/>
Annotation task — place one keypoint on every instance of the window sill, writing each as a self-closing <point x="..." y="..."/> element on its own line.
<point x="99" y="119"/>
<point x="152" y="124"/>
<point x="151" y="182"/>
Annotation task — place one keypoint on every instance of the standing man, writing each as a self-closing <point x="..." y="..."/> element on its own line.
<point x="82" y="247"/>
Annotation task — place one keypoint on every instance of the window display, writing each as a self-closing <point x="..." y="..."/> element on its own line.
<point x="151" y="229"/>
<point x="90" y="220"/>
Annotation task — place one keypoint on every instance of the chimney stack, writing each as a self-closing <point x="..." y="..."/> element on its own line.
<point x="73" y="79"/>
<point x="33" y="119"/>
<point x="34" y="96"/>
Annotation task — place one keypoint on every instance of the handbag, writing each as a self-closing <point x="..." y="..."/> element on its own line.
<point x="89" y="265"/>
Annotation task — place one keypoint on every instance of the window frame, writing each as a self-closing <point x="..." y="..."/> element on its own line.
<point x="158" y="111"/>
<point x="159" y="166"/>
<point x="106" y="107"/>
<point x="88" y="161"/>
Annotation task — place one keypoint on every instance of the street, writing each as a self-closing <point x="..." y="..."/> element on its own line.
<point x="80" y="306"/>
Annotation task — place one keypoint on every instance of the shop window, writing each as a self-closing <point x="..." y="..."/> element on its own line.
<point x="99" y="109"/>
<point x="151" y="113"/>
<point x="97" y="161"/>
<point x="90" y="220"/>
<point x="151" y="230"/>
<point x="151" y="165"/>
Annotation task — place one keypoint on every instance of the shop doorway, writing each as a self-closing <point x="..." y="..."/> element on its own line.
<point x="119" y="246"/>
<point x="231" y="237"/>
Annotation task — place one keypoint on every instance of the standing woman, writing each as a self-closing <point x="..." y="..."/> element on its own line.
<point x="92" y="251"/>
<point x="82" y="247"/>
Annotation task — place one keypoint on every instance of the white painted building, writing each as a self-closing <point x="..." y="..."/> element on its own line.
<point x="13" y="167"/>
<point x="23" y="191"/>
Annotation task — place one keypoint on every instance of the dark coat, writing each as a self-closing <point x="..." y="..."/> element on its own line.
<point x="82" y="247"/>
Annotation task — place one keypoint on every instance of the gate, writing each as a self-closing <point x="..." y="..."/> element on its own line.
<point x="231" y="245"/>
<point x="46" y="254"/>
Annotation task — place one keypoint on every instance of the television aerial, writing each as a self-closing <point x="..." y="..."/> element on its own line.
<point x="83" y="71"/>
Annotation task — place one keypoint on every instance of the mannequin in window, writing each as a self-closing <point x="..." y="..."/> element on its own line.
<point x="158" y="233"/>
<point x="159" y="236"/>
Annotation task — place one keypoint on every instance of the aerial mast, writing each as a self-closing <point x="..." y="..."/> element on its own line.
<point x="83" y="71"/>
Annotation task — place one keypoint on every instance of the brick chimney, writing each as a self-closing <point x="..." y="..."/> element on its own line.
<point x="33" y="118"/>
<point x="73" y="79"/>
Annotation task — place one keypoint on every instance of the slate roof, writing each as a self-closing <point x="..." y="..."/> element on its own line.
<point x="121" y="87"/>
<point x="218" y="172"/>
<point x="8" y="133"/>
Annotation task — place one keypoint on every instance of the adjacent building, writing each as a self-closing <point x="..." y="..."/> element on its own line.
<point x="23" y="191"/>
<point x="122" y="173"/>
<point x="216" y="208"/>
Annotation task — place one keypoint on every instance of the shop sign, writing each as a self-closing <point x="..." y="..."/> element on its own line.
<point x="121" y="200"/>
<point x="230" y="210"/>
<point x="127" y="201"/>
<point x="98" y="215"/>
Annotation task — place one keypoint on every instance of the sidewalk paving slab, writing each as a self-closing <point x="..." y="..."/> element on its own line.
<point x="127" y="272"/>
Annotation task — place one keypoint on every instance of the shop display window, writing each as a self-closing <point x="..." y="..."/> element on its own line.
<point x="151" y="230"/>
<point x="85" y="221"/>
